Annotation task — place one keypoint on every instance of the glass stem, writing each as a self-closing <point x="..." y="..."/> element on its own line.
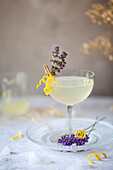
<point x="69" y="112"/>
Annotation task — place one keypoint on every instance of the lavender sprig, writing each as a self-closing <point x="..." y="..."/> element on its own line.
<point x="93" y="125"/>
<point x="68" y="140"/>
<point x="58" y="61"/>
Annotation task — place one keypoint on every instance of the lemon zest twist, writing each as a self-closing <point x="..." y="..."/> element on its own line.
<point x="105" y="156"/>
<point x="97" y="156"/>
<point x="48" y="80"/>
<point x="18" y="136"/>
<point x="80" y="134"/>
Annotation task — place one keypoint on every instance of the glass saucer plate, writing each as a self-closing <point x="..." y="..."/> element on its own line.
<point x="47" y="132"/>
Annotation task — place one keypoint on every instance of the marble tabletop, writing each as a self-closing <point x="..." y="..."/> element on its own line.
<point x="22" y="154"/>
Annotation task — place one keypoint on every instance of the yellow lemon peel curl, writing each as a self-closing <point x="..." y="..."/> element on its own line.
<point x="18" y="136"/>
<point x="48" y="80"/>
<point x="80" y="134"/>
<point x="101" y="153"/>
<point x="97" y="156"/>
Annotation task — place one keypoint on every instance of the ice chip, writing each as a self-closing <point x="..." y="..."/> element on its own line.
<point x="45" y="160"/>
<point x="78" y="164"/>
<point x="73" y="166"/>
<point x="33" y="159"/>
<point x="5" y="152"/>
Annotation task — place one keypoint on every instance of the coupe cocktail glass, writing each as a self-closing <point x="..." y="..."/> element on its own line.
<point x="72" y="87"/>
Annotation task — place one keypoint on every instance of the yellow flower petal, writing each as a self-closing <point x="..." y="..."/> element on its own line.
<point x="95" y="156"/>
<point x="105" y="156"/>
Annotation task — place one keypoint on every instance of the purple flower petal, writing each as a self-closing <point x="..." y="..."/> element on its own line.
<point x="56" y="48"/>
<point x="59" y="141"/>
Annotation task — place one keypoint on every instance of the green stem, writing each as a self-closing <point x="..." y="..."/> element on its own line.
<point x="93" y="125"/>
<point x="89" y="131"/>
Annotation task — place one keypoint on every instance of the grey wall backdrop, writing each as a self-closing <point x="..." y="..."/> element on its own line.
<point x="29" y="29"/>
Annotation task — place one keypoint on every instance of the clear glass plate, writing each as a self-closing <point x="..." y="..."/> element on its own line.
<point x="46" y="133"/>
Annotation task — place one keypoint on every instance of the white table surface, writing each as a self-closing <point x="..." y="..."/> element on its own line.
<point x="22" y="147"/>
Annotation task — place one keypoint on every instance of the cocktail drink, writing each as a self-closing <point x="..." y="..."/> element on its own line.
<point x="71" y="88"/>
<point x="67" y="87"/>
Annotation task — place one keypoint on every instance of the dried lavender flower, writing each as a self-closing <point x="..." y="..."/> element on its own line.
<point x="58" y="61"/>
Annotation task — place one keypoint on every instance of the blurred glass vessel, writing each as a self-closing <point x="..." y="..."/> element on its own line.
<point x="13" y="93"/>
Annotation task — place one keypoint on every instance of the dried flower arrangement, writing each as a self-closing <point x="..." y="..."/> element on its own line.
<point x="101" y="45"/>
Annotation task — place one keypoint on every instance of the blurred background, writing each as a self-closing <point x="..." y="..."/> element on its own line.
<point x="29" y="30"/>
